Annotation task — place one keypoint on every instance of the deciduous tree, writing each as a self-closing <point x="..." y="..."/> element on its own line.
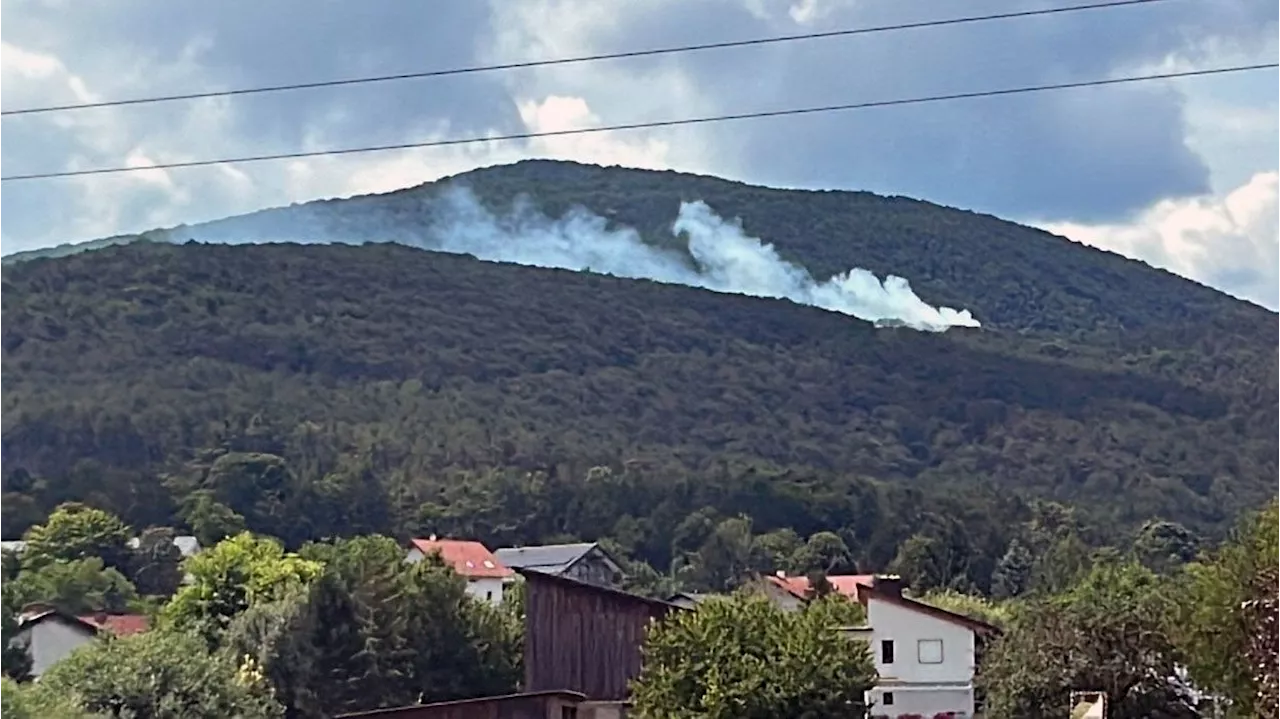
<point x="744" y="658"/>
<point x="1107" y="633"/>
<point x="161" y="675"/>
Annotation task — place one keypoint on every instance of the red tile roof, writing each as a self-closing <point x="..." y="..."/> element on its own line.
<point x="469" y="559"/>
<point x="121" y="625"/>
<point x="846" y="584"/>
<point x="860" y="587"/>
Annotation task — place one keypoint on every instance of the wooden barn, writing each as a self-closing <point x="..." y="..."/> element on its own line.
<point x="585" y="638"/>
<point x="526" y="705"/>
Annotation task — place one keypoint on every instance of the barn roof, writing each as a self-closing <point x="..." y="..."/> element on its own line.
<point x="548" y="558"/>
<point x="532" y="575"/>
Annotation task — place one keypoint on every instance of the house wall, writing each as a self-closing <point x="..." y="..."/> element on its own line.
<point x="50" y="640"/>
<point x="920" y="688"/>
<point x="486" y="589"/>
<point x="583" y="639"/>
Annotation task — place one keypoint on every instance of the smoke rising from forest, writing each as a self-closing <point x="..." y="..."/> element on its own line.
<point x="704" y="250"/>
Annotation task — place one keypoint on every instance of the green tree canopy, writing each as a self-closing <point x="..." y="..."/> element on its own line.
<point x="161" y="675"/>
<point x="15" y="662"/>
<point x="374" y="631"/>
<point x="1107" y="633"/>
<point x="78" y="531"/>
<point x="74" y="586"/>
<point x="232" y="575"/>
<point x="742" y="657"/>
<point x="1225" y="621"/>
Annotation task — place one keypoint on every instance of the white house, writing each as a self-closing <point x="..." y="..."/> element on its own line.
<point x="485" y="574"/>
<point x="50" y="635"/>
<point x="926" y="656"/>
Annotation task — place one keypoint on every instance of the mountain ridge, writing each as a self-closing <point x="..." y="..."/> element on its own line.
<point x="455" y="394"/>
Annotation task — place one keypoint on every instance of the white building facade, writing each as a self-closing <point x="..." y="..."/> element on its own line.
<point x="926" y="656"/>
<point x="926" y="662"/>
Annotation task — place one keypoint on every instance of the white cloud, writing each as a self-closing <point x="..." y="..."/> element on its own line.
<point x="1230" y="242"/>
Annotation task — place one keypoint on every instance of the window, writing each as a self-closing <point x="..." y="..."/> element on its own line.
<point x="929" y="651"/>
<point x="886" y="651"/>
<point x="887" y="699"/>
<point x="489" y="595"/>
<point x="568" y="712"/>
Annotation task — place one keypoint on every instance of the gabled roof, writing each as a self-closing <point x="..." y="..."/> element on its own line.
<point x="547" y="558"/>
<point x="846" y="584"/>
<point x="863" y="587"/>
<point x="533" y="575"/>
<point x="121" y="625"/>
<point x="468" y="558"/>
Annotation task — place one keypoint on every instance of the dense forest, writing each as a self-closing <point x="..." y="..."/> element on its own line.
<point x="311" y="391"/>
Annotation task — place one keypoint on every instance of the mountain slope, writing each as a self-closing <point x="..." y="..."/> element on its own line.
<point x="426" y="379"/>
<point x="1011" y="276"/>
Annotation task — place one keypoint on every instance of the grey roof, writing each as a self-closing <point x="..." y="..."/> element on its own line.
<point x="548" y="558"/>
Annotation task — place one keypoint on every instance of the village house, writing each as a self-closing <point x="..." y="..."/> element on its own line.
<point x="926" y="656"/>
<point x="584" y="561"/>
<point x="49" y="635"/>
<point x="485" y="574"/>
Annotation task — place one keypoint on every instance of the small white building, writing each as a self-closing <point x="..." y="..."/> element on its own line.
<point x="485" y="574"/>
<point x="926" y="656"/>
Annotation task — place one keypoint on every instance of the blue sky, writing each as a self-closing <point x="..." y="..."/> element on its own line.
<point x="1180" y="174"/>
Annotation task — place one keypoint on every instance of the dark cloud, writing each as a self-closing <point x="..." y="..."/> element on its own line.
<point x="1084" y="156"/>
<point x="1087" y="155"/>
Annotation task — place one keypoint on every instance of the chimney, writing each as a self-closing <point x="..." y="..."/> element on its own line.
<point x="432" y="538"/>
<point x="782" y="574"/>
<point x="888" y="584"/>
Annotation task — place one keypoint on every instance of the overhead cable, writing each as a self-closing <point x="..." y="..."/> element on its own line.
<point x="655" y="124"/>
<point x="584" y="58"/>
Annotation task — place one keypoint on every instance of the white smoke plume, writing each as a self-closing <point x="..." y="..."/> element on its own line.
<point x="720" y="257"/>
<point x="709" y="252"/>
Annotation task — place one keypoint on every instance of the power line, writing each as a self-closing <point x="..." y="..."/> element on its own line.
<point x="644" y="125"/>
<point x="585" y="58"/>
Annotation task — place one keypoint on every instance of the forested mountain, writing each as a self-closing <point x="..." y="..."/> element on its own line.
<point x="314" y="390"/>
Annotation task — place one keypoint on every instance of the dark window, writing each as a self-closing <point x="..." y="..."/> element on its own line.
<point x="886" y="651"/>
<point x="887" y="699"/>
<point x="568" y="712"/>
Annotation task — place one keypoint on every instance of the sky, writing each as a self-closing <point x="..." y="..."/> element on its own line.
<point x="1181" y="174"/>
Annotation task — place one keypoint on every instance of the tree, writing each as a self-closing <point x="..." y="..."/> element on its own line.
<point x="1107" y="633"/>
<point x="210" y="520"/>
<point x="1227" y="616"/>
<point x="15" y="662"/>
<point x="231" y="576"/>
<point x="825" y="552"/>
<point x="161" y="675"/>
<point x="970" y="605"/>
<point x="374" y="631"/>
<point x="76" y="587"/>
<point x="1162" y="546"/>
<point x="77" y="531"/>
<point x="1260" y="615"/>
<point x="1012" y="575"/>
<point x="156" y="563"/>
<point x="33" y="701"/>
<point x="744" y="658"/>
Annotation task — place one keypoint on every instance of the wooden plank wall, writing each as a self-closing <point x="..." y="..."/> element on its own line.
<point x="583" y="638"/>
